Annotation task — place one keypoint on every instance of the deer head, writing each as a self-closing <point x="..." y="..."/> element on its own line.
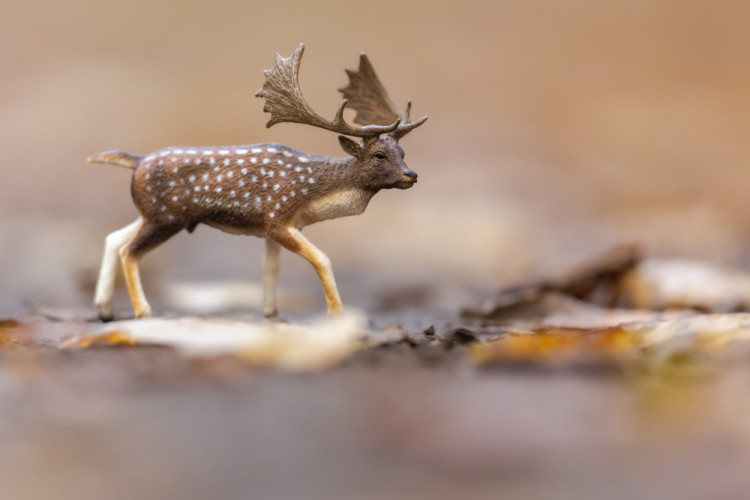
<point x="379" y="158"/>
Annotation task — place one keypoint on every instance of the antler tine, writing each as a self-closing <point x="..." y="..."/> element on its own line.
<point x="285" y="102"/>
<point x="370" y="100"/>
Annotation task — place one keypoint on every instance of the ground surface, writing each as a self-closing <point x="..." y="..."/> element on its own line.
<point x="403" y="419"/>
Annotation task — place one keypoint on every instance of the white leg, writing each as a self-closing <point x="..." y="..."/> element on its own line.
<point x="294" y="241"/>
<point x="135" y="288"/>
<point x="105" y="285"/>
<point x="270" y="272"/>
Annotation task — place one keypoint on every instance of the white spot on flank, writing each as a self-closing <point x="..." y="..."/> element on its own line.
<point x="170" y="217"/>
<point x="164" y="153"/>
<point x="216" y="169"/>
<point x="288" y="165"/>
<point x="231" y="193"/>
<point x="211" y="160"/>
<point x="298" y="169"/>
<point x="172" y="183"/>
<point x="163" y="208"/>
<point x="218" y="189"/>
<point x="208" y="152"/>
<point x="247" y="195"/>
<point x="197" y="188"/>
<point x="240" y="161"/>
<point x="262" y="171"/>
<point x="271" y="150"/>
<point x="269" y="197"/>
<point x="256" y="150"/>
<point x="196" y="200"/>
<point x="279" y="162"/>
<point x="244" y="171"/>
<point x="192" y="152"/>
<point x="230" y="174"/>
<point x="255" y="178"/>
<point x="174" y="198"/>
<point x="294" y="181"/>
<point x="241" y="151"/>
<point x="161" y="162"/>
<point x="265" y="185"/>
<point x="270" y="173"/>
<point x="309" y="170"/>
<point x="284" y="198"/>
<point x="148" y="176"/>
<point x="205" y="188"/>
<point x="276" y="187"/>
<point x="272" y="215"/>
<point x="278" y="206"/>
<point x="223" y="151"/>
<point x="218" y="179"/>
<point x="197" y="161"/>
<point x="287" y="154"/>
<point x="241" y="183"/>
<point x="174" y="158"/>
<point x="153" y="200"/>
<point x="311" y="180"/>
<point x="292" y="194"/>
<point x="174" y="170"/>
<point x="178" y="151"/>
<point x="253" y="160"/>
<point x="302" y="178"/>
<point x="265" y="161"/>
<point x="191" y="178"/>
<point x="187" y="192"/>
<point x="148" y="188"/>
<point x="208" y="200"/>
<point x="186" y="159"/>
<point x="304" y="190"/>
<point x="303" y="159"/>
<point x="226" y="162"/>
<point x="205" y="177"/>
<point x="282" y="173"/>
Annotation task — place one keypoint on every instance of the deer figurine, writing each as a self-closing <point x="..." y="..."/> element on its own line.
<point x="265" y="190"/>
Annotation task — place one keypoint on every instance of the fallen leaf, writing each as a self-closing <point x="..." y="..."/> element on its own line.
<point x="265" y="343"/>
<point x="662" y="284"/>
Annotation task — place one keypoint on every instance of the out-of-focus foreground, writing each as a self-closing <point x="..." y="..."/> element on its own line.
<point x="557" y="129"/>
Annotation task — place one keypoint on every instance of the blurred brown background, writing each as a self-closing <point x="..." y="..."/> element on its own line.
<point x="556" y="129"/>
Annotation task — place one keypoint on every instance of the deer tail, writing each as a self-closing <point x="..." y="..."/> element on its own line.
<point x="120" y="158"/>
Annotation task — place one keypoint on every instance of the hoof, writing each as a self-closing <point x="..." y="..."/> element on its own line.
<point x="146" y="313"/>
<point x="105" y="313"/>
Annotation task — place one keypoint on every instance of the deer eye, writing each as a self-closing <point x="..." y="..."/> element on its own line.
<point x="380" y="156"/>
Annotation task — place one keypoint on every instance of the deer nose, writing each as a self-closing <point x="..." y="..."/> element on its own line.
<point x="411" y="174"/>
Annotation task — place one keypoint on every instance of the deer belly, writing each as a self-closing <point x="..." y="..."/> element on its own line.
<point x="236" y="223"/>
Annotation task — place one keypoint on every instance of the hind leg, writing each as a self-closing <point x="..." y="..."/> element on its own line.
<point x="105" y="285"/>
<point x="149" y="237"/>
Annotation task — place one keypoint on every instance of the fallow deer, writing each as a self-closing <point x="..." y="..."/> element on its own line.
<point x="266" y="190"/>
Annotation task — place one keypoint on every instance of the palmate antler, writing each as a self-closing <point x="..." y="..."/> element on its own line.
<point x="284" y="101"/>
<point x="368" y="97"/>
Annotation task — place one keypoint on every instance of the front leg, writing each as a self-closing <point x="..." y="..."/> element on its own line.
<point x="270" y="272"/>
<point x="293" y="240"/>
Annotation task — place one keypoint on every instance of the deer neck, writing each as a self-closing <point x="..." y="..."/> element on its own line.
<point x="338" y="192"/>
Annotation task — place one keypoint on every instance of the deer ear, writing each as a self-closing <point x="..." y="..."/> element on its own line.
<point x="350" y="146"/>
